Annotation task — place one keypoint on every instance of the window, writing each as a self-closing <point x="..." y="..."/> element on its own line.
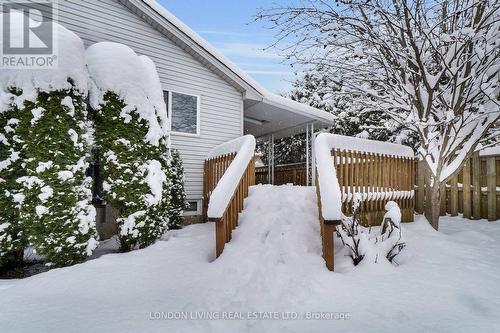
<point x="183" y="110"/>
<point x="193" y="206"/>
<point x="193" y="209"/>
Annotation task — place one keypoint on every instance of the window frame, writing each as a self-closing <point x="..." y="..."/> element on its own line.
<point x="198" y="107"/>
<point x="194" y="212"/>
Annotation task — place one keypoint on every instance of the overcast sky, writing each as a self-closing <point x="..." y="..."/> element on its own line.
<point x="227" y="25"/>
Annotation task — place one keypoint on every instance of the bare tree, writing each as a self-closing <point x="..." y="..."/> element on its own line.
<point x="433" y="65"/>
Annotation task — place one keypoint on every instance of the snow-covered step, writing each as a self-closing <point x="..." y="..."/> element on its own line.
<point x="278" y="225"/>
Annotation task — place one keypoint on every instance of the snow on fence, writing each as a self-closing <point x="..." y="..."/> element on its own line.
<point x="369" y="172"/>
<point x="474" y="191"/>
<point x="228" y="173"/>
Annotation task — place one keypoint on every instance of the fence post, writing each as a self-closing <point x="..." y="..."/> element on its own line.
<point x="220" y="235"/>
<point x="476" y="185"/>
<point x="442" y="197"/>
<point x="491" y="183"/>
<point x="466" y="190"/>
<point x="412" y="188"/>
<point x="205" y="189"/>
<point x="454" y="195"/>
<point x="328" y="230"/>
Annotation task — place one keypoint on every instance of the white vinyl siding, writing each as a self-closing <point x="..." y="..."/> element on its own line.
<point x="221" y="105"/>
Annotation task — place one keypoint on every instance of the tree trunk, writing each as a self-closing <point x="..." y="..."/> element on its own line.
<point x="433" y="202"/>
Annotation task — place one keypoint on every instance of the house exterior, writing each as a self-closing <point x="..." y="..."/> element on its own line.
<point x="210" y="100"/>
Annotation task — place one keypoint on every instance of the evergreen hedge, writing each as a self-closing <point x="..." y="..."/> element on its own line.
<point x="127" y="161"/>
<point x="56" y="212"/>
<point x="177" y="193"/>
<point x="12" y="240"/>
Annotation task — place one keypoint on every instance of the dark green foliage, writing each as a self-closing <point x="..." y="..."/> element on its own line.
<point x="177" y="193"/>
<point x="56" y="211"/>
<point x="125" y="154"/>
<point x="12" y="242"/>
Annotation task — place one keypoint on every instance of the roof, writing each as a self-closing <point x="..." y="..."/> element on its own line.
<point x="253" y="90"/>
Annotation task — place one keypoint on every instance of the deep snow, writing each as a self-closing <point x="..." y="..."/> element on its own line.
<point x="446" y="282"/>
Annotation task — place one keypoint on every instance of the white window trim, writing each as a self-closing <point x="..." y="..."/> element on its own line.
<point x="193" y="213"/>
<point x="198" y="107"/>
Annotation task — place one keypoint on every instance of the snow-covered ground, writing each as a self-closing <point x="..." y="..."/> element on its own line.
<point x="447" y="281"/>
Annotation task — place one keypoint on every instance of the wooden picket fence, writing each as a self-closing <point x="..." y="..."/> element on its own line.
<point x="214" y="169"/>
<point x="293" y="173"/>
<point x="474" y="191"/>
<point x="375" y="179"/>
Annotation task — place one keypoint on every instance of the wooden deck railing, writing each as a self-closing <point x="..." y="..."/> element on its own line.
<point x="213" y="171"/>
<point x="226" y="181"/>
<point x="375" y="179"/>
<point x="369" y="172"/>
<point x="327" y="231"/>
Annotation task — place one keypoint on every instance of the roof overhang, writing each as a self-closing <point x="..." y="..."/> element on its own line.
<point x="282" y="117"/>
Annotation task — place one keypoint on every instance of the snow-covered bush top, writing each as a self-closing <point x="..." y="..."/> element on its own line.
<point x="331" y="195"/>
<point x="70" y="62"/>
<point x="116" y="67"/>
<point x="244" y="147"/>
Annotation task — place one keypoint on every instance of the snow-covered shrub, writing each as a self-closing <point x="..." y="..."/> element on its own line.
<point x="131" y="140"/>
<point x="54" y="197"/>
<point x="366" y="246"/>
<point x="390" y="230"/>
<point x="177" y="193"/>
<point x="12" y="241"/>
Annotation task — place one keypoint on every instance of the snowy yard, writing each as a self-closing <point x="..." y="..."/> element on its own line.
<point x="447" y="281"/>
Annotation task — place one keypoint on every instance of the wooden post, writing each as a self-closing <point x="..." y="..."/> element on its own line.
<point x="205" y="189"/>
<point x="412" y="188"/>
<point x="454" y="196"/>
<point x="491" y="183"/>
<point x="442" y="197"/>
<point x="476" y="186"/>
<point x="220" y="235"/>
<point x="466" y="198"/>
<point x="352" y="189"/>
<point x="328" y="252"/>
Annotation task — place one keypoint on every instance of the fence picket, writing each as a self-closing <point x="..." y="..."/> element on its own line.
<point x="491" y="185"/>
<point x="453" y="206"/>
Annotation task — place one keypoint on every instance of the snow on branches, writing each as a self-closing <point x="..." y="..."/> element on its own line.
<point x="433" y="66"/>
<point x="365" y="246"/>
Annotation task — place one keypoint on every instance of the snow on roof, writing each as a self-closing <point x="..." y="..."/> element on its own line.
<point x="267" y="96"/>
<point x="204" y="44"/>
<point x="302" y="108"/>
